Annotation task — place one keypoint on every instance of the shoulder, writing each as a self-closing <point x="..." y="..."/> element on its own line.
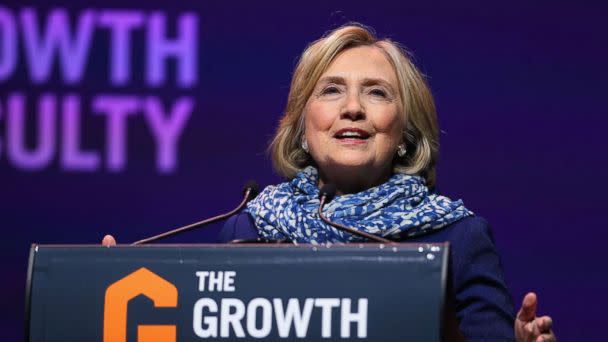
<point x="470" y="225"/>
<point x="472" y="232"/>
<point x="467" y="231"/>
<point x="238" y="227"/>
<point x="241" y="226"/>
<point x="471" y="222"/>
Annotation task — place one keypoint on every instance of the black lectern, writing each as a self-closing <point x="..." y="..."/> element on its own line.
<point x="372" y="292"/>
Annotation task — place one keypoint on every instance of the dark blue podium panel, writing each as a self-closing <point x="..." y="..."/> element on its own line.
<point x="236" y="292"/>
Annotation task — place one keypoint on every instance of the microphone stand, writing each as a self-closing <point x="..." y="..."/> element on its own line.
<point x="249" y="191"/>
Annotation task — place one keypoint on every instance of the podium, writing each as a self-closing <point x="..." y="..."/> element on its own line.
<point x="236" y="292"/>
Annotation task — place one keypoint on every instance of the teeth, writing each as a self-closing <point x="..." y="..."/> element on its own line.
<point x="350" y="134"/>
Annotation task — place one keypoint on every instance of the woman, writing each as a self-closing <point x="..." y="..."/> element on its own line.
<point x="360" y="116"/>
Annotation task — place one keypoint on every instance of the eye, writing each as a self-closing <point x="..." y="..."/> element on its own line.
<point x="378" y="92"/>
<point x="329" y="90"/>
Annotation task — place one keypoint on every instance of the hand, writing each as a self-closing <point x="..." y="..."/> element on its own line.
<point x="108" y="241"/>
<point x="528" y="327"/>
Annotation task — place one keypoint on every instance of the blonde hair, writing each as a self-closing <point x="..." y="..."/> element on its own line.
<point x="418" y="108"/>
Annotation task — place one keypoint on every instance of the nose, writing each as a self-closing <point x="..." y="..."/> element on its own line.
<point x="353" y="108"/>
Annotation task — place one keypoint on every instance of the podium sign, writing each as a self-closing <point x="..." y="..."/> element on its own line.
<point x="236" y="292"/>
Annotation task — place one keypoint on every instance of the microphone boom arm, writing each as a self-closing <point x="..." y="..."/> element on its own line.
<point x="248" y="193"/>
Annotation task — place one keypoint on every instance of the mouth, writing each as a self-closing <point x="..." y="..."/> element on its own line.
<point x="352" y="135"/>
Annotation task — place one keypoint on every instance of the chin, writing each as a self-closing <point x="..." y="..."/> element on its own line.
<point x="351" y="164"/>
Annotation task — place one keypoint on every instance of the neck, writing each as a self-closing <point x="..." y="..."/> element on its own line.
<point x="350" y="182"/>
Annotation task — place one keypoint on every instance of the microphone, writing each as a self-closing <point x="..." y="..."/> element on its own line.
<point x="326" y="194"/>
<point x="250" y="190"/>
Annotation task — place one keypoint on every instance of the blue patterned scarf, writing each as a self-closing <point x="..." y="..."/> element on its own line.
<point x="402" y="207"/>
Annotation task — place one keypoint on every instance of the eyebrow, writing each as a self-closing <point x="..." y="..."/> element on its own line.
<point x="368" y="81"/>
<point x="331" y="79"/>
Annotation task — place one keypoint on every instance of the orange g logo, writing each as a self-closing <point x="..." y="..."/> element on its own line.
<point x="118" y="295"/>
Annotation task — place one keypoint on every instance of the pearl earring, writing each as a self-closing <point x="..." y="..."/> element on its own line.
<point x="305" y="145"/>
<point x="401" y="150"/>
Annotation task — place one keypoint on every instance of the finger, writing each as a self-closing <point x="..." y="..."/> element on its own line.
<point x="529" y="328"/>
<point x="546" y="338"/>
<point x="528" y="308"/>
<point x="108" y="241"/>
<point x="544" y="324"/>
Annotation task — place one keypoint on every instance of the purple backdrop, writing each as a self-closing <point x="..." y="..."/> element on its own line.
<point x="137" y="120"/>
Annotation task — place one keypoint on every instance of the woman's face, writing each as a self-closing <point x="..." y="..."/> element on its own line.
<point x="352" y="119"/>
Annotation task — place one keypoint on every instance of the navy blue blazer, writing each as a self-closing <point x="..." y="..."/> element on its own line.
<point x="477" y="292"/>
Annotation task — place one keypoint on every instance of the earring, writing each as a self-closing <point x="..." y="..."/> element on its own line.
<point x="304" y="145"/>
<point x="401" y="150"/>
